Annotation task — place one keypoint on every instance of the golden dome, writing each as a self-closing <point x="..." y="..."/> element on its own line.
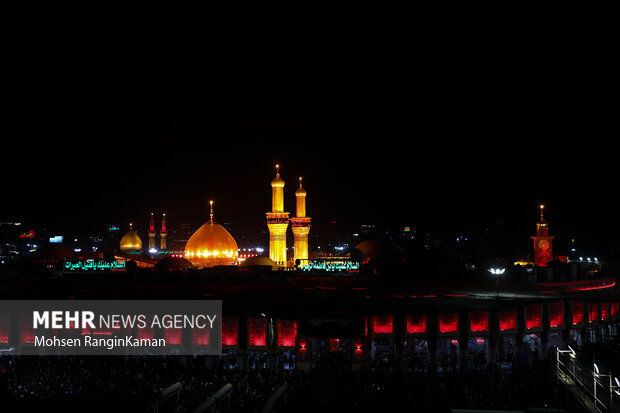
<point x="131" y="242"/>
<point x="211" y="245"/>
<point x="277" y="182"/>
<point x="300" y="191"/>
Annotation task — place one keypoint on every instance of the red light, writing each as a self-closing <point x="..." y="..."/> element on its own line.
<point x="604" y="311"/>
<point x="533" y="316"/>
<point x="454" y="342"/>
<point x="173" y="336"/>
<point x="146" y="332"/>
<point x="479" y="321"/>
<point x="287" y="333"/>
<point x="556" y="314"/>
<point x="507" y="320"/>
<point x="27" y="330"/>
<point x="382" y="324"/>
<point x="4" y="328"/>
<point x="577" y="312"/>
<point x="229" y="330"/>
<point x="593" y="312"/>
<point x="448" y="322"/>
<point x="257" y="332"/>
<point x="416" y="323"/>
<point x="200" y="337"/>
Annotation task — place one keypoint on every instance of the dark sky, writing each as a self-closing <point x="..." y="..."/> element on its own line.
<point x="396" y="139"/>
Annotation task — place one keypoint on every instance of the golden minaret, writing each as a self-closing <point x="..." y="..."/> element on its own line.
<point x="163" y="233"/>
<point x="301" y="226"/>
<point x="151" y="232"/>
<point x="277" y="221"/>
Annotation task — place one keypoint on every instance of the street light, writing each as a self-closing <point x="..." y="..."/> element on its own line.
<point x="497" y="272"/>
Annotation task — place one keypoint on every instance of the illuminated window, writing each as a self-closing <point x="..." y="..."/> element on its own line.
<point x="257" y="332"/>
<point x="507" y="320"/>
<point x="4" y="328"/>
<point x="200" y="336"/>
<point x="533" y="316"/>
<point x="479" y="321"/>
<point x="27" y="331"/>
<point x="229" y="330"/>
<point x="593" y="312"/>
<point x="287" y="333"/>
<point x="604" y="311"/>
<point x="173" y="336"/>
<point x="416" y="323"/>
<point x="577" y="312"/>
<point x="147" y="331"/>
<point x="448" y="322"/>
<point x="556" y="314"/>
<point x="382" y="324"/>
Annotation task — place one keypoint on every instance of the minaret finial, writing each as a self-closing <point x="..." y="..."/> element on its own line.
<point x="300" y="179"/>
<point x="277" y="170"/>
<point x="211" y="204"/>
<point x="541" y="210"/>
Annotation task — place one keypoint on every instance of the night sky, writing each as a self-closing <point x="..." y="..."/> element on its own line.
<point x="448" y="144"/>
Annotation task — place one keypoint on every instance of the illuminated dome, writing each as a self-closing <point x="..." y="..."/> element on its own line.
<point x="131" y="242"/>
<point x="259" y="261"/>
<point x="277" y="182"/>
<point x="300" y="191"/>
<point x="211" y="245"/>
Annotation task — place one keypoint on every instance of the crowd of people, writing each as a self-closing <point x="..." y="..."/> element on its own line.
<point x="331" y="384"/>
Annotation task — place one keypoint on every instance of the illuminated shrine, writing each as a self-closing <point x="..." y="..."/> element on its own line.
<point x="131" y="242"/>
<point x="211" y="245"/>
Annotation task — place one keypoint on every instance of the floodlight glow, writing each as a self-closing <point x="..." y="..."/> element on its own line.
<point x="596" y="368"/>
<point x="153" y="251"/>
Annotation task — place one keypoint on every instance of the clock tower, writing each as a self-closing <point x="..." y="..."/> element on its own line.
<point x="543" y="243"/>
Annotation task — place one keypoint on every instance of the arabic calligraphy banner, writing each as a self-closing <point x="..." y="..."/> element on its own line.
<point x="92" y="265"/>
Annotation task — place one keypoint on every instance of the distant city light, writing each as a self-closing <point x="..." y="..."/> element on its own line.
<point x="77" y="250"/>
<point x="56" y="239"/>
<point x="497" y="271"/>
<point x="153" y="251"/>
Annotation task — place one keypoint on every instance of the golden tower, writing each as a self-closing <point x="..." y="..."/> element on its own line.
<point x="151" y="232"/>
<point x="162" y="234"/>
<point x="301" y="226"/>
<point x="277" y="221"/>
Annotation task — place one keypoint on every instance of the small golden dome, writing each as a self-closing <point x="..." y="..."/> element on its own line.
<point x="300" y="191"/>
<point x="211" y="245"/>
<point x="277" y="182"/>
<point x="131" y="242"/>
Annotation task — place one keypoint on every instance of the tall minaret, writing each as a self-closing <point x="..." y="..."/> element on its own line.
<point x="301" y="226"/>
<point x="543" y="243"/>
<point x="277" y="221"/>
<point x="151" y="232"/>
<point x="163" y="233"/>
